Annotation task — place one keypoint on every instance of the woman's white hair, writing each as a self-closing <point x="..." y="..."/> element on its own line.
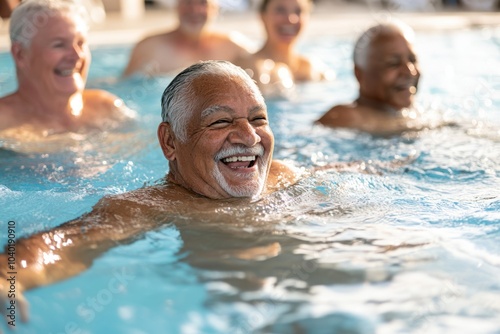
<point x="31" y="15"/>
<point x="179" y="100"/>
<point x="364" y="43"/>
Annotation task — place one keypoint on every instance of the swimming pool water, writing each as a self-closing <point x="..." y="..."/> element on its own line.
<point x="413" y="250"/>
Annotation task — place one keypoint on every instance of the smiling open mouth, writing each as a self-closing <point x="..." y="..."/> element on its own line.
<point x="65" y="73"/>
<point x="240" y="161"/>
<point x="288" y="31"/>
<point x="411" y="87"/>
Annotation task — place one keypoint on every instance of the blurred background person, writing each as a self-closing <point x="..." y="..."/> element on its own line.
<point x="52" y="58"/>
<point x="193" y="40"/>
<point x="277" y="65"/>
<point x="387" y="71"/>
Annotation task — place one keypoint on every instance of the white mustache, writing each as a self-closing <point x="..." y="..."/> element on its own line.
<point x="257" y="150"/>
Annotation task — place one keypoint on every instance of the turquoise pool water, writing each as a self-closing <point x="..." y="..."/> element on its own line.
<point x="414" y="250"/>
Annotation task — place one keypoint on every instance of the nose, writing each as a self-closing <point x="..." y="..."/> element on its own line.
<point x="244" y="133"/>
<point x="293" y="18"/>
<point x="77" y="51"/>
<point x="410" y="68"/>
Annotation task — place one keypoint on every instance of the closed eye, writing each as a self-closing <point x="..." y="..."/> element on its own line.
<point x="220" y="122"/>
<point x="259" y="120"/>
<point x="393" y="64"/>
<point x="58" y="45"/>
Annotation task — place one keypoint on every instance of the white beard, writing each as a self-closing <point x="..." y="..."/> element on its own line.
<point x="252" y="189"/>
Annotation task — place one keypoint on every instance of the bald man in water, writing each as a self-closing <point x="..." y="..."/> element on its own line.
<point x="387" y="70"/>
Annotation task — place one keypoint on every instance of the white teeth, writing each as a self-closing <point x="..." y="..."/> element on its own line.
<point x="65" y="72"/>
<point x="234" y="159"/>
<point x="289" y="30"/>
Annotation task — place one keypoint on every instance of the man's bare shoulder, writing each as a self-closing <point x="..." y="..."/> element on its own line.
<point x="141" y="201"/>
<point x="158" y="40"/>
<point x="282" y="175"/>
<point x="342" y="115"/>
<point x="156" y="203"/>
<point x="234" y="44"/>
<point x="242" y="41"/>
<point x="156" y="54"/>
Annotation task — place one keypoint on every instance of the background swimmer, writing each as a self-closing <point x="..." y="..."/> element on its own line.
<point x="52" y="58"/>
<point x="387" y="70"/>
<point x="193" y="40"/>
<point x="277" y="64"/>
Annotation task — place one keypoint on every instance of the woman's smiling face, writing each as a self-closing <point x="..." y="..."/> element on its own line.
<point x="284" y="19"/>
<point x="58" y="57"/>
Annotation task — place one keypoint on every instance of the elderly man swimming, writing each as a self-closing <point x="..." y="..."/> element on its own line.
<point x="217" y="139"/>
<point x="52" y="58"/>
<point x="387" y="70"/>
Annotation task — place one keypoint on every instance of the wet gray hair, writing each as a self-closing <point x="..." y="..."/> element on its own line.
<point x="179" y="100"/>
<point x="30" y="15"/>
<point x="364" y="42"/>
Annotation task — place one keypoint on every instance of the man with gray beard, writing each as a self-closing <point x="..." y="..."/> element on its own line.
<point x="216" y="136"/>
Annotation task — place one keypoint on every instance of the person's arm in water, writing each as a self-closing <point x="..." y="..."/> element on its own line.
<point x="69" y="249"/>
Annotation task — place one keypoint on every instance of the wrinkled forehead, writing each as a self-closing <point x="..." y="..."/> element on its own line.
<point x="389" y="41"/>
<point x="197" y="2"/>
<point x="211" y="91"/>
<point x="208" y="87"/>
<point x="304" y="4"/>
<point x="61" y="24"/>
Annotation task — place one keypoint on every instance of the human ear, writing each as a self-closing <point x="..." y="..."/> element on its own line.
<point x="167" y="140"/>
<point x="18" y="53"/>
<point x="358" y="73"/>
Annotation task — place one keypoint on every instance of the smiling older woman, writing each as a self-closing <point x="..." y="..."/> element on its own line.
<point x="52" y="58"/>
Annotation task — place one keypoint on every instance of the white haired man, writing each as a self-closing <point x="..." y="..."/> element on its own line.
<point x="387" y="70"/>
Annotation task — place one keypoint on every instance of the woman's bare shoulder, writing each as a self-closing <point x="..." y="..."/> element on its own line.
<point x="9" y="111"/>
<point x="98" y="98"/>
<point x="100" y="104"/>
